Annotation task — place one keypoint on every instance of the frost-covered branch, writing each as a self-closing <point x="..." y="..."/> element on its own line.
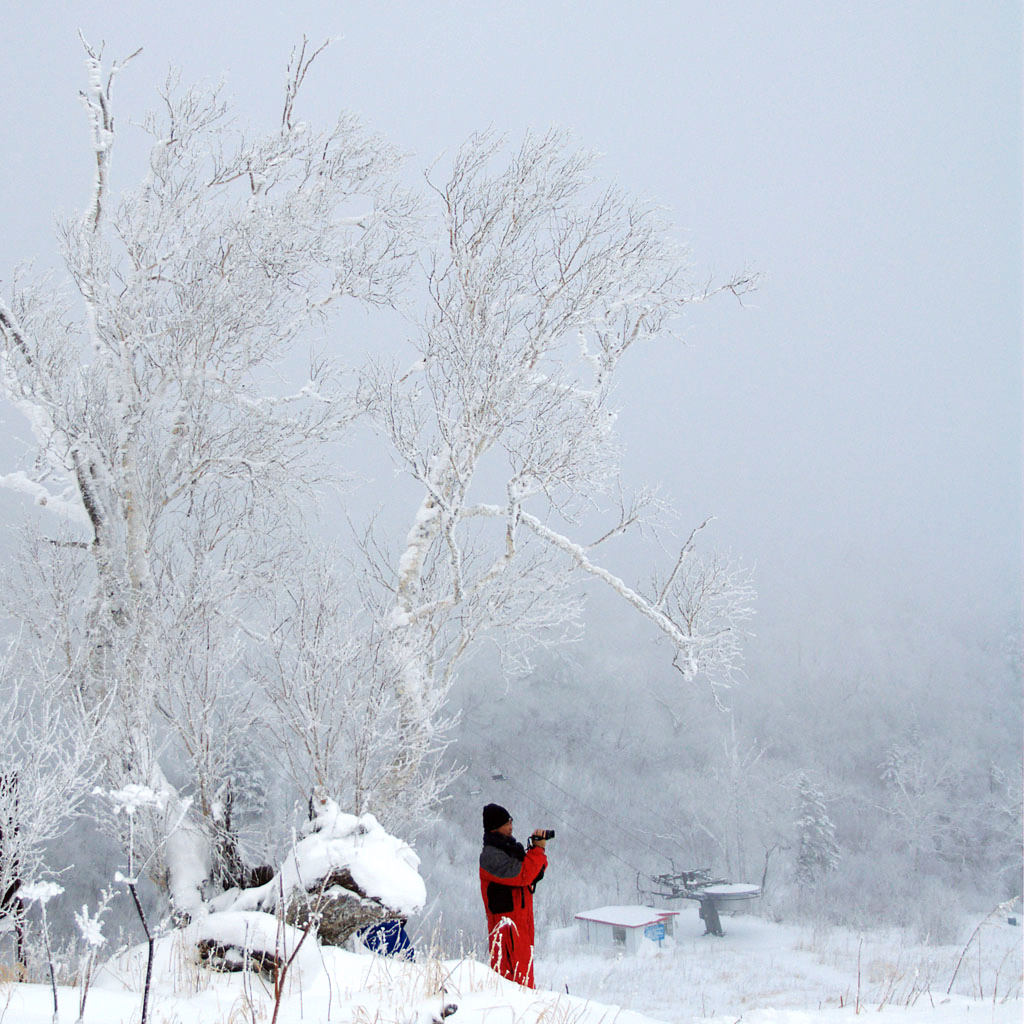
<point x="46" y="763"/>
<point x="101" y="121"/>
<point x="298" y="66"/>
<point x="540" y="284"/>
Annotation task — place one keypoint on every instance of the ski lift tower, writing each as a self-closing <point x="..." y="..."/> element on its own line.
<point x="713" y="894"/>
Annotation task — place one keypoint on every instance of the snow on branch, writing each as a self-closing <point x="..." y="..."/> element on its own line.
<point x="298" y="66"/>
<point x="701" y="611"/>
<point x="579" y="555"/>
<point x="101" y="120"/>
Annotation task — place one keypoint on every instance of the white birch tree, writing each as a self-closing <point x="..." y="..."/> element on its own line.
<point x="540" y="283"/>
<point x="162" y="422"/>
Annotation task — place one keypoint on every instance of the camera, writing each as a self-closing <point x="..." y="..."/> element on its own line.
<point x="544" y="833"/>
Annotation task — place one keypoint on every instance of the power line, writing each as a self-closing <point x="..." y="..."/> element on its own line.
<point x="631" y="833"/>
<point x="558" y="818"/>
<point x="572" y="796"/>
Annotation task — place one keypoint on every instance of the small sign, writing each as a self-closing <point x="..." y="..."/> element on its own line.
<point x="655" y="932"/>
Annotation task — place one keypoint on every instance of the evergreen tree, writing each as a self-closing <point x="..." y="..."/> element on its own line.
<point x="817" y="849"/>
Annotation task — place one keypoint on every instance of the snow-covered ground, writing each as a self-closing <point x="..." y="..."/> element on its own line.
<point x="759" y="973"/>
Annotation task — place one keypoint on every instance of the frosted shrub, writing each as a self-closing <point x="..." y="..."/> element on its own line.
<point x="42" y="893"/>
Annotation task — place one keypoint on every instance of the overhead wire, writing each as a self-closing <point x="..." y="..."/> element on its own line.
<point x="575" y="798"/>
<point x="555" y="816"/>
<point x="631" y="833"/>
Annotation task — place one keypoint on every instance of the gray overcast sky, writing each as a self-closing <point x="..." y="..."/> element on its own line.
<point x="857" y="427"/>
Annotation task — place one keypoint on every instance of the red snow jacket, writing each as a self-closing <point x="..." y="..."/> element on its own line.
<point x="508" y="876"/>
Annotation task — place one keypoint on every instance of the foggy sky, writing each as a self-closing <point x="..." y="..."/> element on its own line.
<point x="856" y="425"/>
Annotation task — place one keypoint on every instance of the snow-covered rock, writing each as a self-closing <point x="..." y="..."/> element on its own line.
<point x="346" y="871"/>
<point x="233" y="940"/>
<point x="385" y="868"/>
<point x="226" y="941"/>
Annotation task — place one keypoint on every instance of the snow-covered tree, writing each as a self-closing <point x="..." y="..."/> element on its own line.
<point x="46" y="763"/>
<point x="330" y="677"/>
<point x="817" y="852"/>
<point x="926" y="800"/>
<point x="163" y="425"/>
<point x="540" y="283"/>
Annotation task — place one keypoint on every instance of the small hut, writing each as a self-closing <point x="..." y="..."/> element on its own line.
<point x="625" y="928"/>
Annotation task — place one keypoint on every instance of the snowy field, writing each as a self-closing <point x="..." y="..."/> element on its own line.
<point x="759" y="973"/>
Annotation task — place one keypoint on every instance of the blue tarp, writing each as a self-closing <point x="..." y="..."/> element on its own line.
<point x="388" y="939"/>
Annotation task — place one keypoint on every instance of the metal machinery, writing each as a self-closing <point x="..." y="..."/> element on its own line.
<point x="713" y="894"/>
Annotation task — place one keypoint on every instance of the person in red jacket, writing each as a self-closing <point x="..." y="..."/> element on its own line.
<point x="508" y="876"/>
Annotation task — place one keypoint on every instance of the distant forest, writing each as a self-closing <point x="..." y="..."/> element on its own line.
<point x="918" y="771"/>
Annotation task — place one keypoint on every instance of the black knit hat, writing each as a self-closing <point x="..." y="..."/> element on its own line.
<point x="495" y="816"/>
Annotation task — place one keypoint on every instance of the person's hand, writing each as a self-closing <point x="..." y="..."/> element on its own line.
<point x="537" y="839"/>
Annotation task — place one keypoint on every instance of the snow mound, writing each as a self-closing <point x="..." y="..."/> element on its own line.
<point x="233" y="939"/>
<point x="223" y="941"/>
<point x="383" y="867"/>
